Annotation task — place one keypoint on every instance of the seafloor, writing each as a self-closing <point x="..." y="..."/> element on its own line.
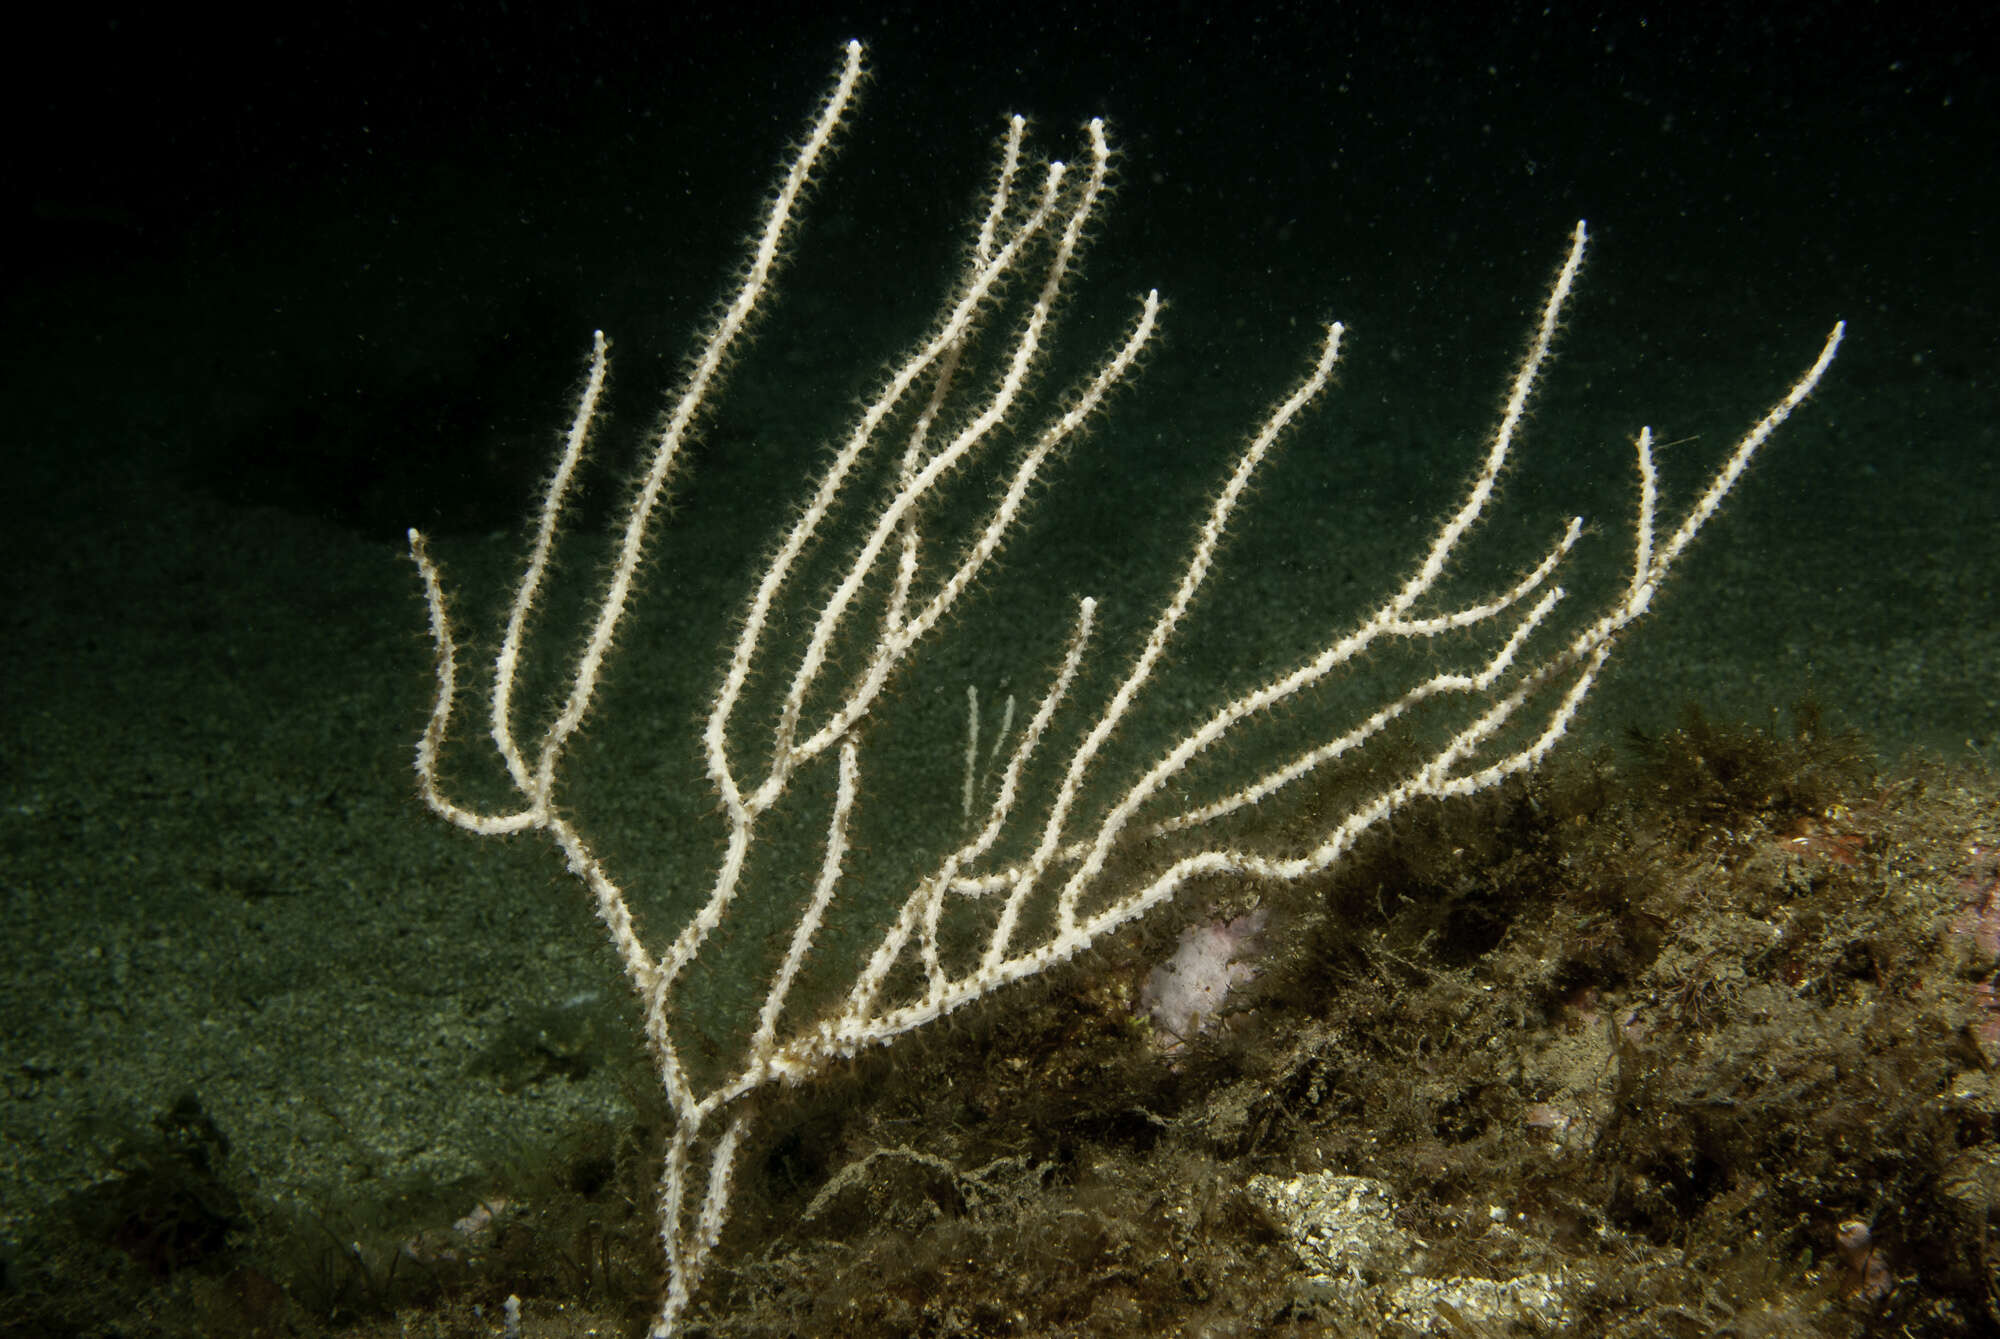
<point x="1692" y="1033"/>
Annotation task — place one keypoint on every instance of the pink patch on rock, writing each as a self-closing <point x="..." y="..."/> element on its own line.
<point x="1186" y="991"/>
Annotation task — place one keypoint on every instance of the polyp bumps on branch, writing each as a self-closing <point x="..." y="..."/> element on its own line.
<point x="1027" y="880"/>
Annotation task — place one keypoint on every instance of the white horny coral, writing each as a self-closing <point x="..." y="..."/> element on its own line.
<point x="1062" y="855"/>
